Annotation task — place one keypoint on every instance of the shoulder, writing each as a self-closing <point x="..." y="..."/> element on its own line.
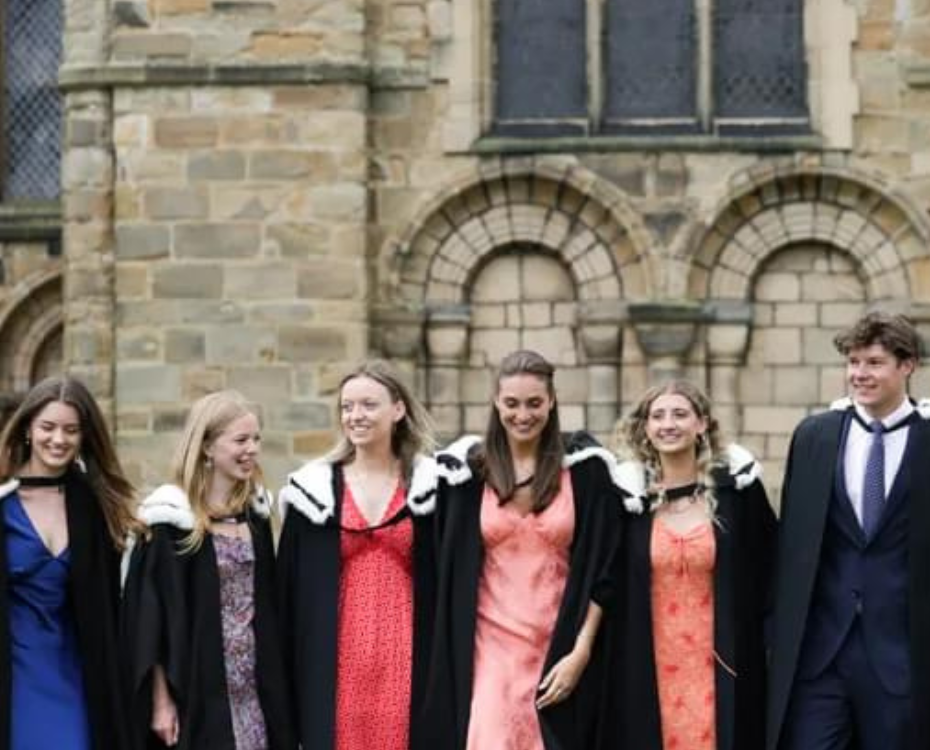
<point x="739" y="467"/>
<point x="453" y="463"/>
<point x="169" y="505"/>
<point x="585" y="456"/>
<point x="309" y="491"/>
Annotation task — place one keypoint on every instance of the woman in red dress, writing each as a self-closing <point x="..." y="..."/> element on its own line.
<point x="687" y="651"/>
<point x="356" y="562"/>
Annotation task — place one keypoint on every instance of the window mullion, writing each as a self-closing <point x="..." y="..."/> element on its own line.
<point x="596" y="72"/>
<point x="704" y="14"/>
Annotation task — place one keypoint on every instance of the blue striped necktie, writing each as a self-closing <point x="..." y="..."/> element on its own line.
<point x="873" y="484"/>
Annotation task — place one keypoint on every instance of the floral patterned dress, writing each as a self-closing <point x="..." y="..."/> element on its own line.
<point x="683" y="634"/>
<point x="235" y="561"/>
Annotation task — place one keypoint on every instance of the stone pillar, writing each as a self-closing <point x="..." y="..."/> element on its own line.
<point x="447" y="346"/>
<point x="666" y="333"/>
<point x="87" y="208"/>
<point x="727" y="344"/>
<point x="601" y="339"/>
<point x="397" y="335"/>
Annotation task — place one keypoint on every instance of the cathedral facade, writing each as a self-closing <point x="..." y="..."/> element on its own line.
<point x="257" y="193"/>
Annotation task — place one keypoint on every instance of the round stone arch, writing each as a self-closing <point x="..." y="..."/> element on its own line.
<point x="851" y="212"/>
<point x="31" y="326"/>
<point x="556" y="205"/>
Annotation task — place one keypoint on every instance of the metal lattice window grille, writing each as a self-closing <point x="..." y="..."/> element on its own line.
<point x="32" y="45"/>
<point x="719" y="67"/>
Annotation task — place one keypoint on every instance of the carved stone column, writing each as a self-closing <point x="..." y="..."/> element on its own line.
<point x="600" y="332"/>
<point x="447" y="345"/>
<point x="666" y="331"/>
<point x="398" y="335"/>
<point x="727" y="344"/>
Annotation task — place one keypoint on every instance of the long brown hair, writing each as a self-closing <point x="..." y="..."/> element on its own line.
<point x="114" y="492"/>
<point x="493" y="457"/>
<point x="412" y="435"/>
<point x="633" y="442"/>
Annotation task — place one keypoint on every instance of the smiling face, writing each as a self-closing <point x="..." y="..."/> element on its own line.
<point x="55" y="439"/>
<point x="523" y="404"/>
<point x="235" y="451"/>
<point x="877" y="379"/>
<point x="368" y="413"/>
<point x="672" y="425"/>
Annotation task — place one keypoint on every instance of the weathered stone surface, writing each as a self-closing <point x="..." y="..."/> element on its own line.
<point x="188" y="280"/>
<point x="232" y="240"/>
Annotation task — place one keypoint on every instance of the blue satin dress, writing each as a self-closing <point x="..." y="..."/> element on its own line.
<point x="49" y="709"/>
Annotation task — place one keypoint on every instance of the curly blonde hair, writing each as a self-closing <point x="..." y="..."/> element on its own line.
<point x="632" y="442"/>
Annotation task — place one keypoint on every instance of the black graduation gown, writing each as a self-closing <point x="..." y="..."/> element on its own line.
<point x="745" y="536"/>
<point x="94" y="594"/>
<point x="309" y="566"/>
<point x="172" y="617"/>
<point x="570" y="724"/>
<point x="808" y="487"/>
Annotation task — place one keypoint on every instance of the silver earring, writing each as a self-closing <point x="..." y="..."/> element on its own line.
<point x="81" y="466"/>
<point x="208" y="462"/>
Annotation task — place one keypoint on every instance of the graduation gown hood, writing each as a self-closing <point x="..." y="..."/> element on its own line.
<point x="744" y="532"/>
<point x="94" y="593"/>
<point x="173" y="619"/>
<point x="567" y="725"/>
<point x="310" y="568"/>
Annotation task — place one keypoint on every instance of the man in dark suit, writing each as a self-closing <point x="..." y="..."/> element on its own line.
<point x="850" y="657"/>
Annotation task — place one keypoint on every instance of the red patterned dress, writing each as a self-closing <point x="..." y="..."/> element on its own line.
<point x="375" y="638"/>
<point x="683" y="634"/>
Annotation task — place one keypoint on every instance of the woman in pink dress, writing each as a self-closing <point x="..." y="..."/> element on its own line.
<point x="358" y="571"/>
<point x="528" y="524"/>
<point x="687" y="651"/>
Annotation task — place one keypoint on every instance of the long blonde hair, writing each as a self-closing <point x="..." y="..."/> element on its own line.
<point x="632" y="442"/>
<point x="208" y="418"/>
<point x="412" y="435"/>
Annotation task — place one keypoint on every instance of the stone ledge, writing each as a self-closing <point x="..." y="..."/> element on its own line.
<point x="609" y="143"/>
<point x="129" y="75"/>
<point x="917" y="74"/>
<point x="30" y="221"/>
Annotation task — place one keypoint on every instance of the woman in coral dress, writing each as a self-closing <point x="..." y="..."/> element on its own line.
<point x="687" y="656"/>
<point x="528" y="525"/>
<point x="357" y="571"/>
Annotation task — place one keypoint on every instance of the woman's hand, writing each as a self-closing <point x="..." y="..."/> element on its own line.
<point x="562" y="679"/>
<point x="165" y="722"/>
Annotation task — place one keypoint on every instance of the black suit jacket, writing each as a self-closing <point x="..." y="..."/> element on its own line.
<point x="806" y="495"/>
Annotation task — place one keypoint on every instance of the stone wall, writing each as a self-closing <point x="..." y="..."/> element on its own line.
<point x="259" y="192"/>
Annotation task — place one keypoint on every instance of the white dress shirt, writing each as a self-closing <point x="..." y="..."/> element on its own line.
<point x="857" y="451"/>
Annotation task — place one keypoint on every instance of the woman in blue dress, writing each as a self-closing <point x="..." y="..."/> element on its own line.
<point x="65" y="509"/>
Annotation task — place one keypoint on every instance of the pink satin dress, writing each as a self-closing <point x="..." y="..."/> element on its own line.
<point x="683" y="634"/>
<point x="526" y="564"/>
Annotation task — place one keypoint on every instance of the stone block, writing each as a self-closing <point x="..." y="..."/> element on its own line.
<point x="132" y="281"/>
<point x="557" y="344"/>
<point x="230" y="240"/>
<point x="188" y="281"/>
<point x="216" y="165"/>
<point x="489" y="347"/>
<point x="840" y="314"/>
<point x="186" y="132"/>
<point x="142" y="242"/>
<point x="819" y="348"/>
<point x="185" y="345"/>
<point x="833" y="384"/>
<point x="134" y="43"/>
<point x="298" y="240"/>
<point x="136" y="345"/>
<point x="200" y="381"/>
<point x="778" y="287"/>
<point x="176" y="203"/>
<point x="133" y="420"/>
<point x="798" y="314"/>
<point x="769" y="420"/>
<point x="499" y="281"/>
<point x="169" y="419"/>
<point x="306" y="344"/>
<point x="329" y="279"/>
<point x="262" y="383"/>
<point x="314" y="443"/>
<point x="487" y="316"/>
<point x="260" y="281"/>
<point x="755" y="385"/>
<point x="299" y="417"/>
<point x="147" y="384"/>
<point x="572" y="417"/>
<point x="477" y="385"/>
<point x="797" y="386"/>
<point x="293" y="165"/>
<point x="443" y="385"/>
<point x="237" y="345"/>
<point x="777" y="346"/>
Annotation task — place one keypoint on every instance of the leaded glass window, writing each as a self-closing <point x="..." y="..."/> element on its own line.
<point x="712" y="67"/>
<point x="32" y="32"/>
<point x="541" y="67"/>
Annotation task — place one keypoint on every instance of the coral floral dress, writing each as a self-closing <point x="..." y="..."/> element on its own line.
<point x="526" y="563"/>
<point x="375" y="638"/>
<point x="683" y="634"/>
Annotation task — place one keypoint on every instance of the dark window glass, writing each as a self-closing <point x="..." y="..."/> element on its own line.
<point x="32" y="106"/>
<point x="759" y="69"/>
<point x="541" y="66"/>
<point x="651" y="61"/>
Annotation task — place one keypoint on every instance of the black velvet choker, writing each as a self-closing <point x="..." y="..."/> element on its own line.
<point x="233" y="519"/>
<point x="58" y="481"/>
<point x="686" y="490"/>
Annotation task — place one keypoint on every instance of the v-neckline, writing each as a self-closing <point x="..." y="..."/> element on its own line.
<point x="37" y="535"/>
